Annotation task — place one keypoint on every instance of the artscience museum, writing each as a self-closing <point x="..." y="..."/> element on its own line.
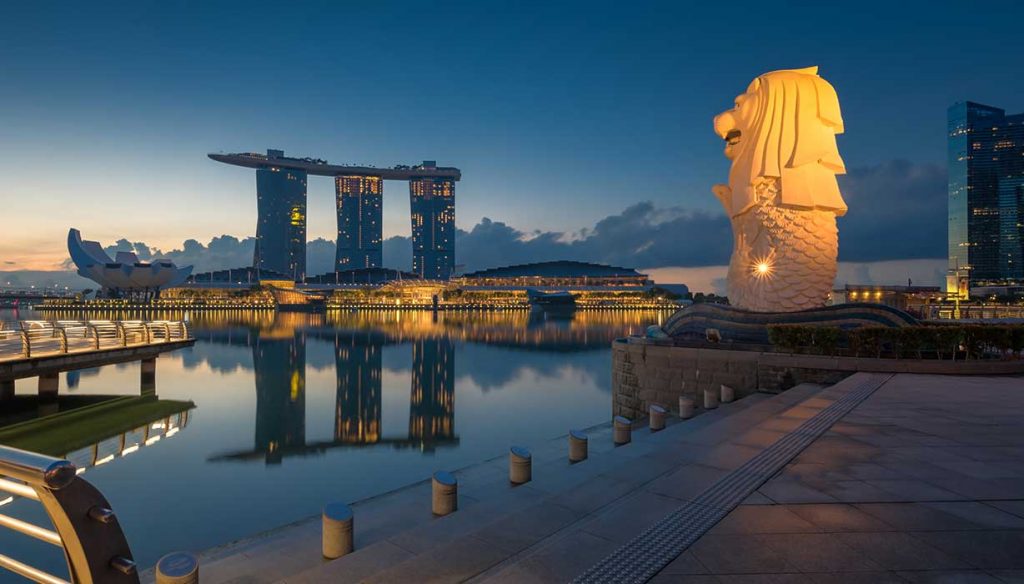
<point x="124" y="276"/>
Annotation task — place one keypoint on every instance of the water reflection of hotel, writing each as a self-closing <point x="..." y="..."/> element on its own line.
<point x="357" y="408"/>
<point x="279" y="362"/>
<point x="432" y="404"/>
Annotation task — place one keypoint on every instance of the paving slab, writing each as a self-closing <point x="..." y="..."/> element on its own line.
<point x="919" y="483"/>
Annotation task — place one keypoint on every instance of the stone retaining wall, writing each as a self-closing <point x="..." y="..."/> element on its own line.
<point x="648" y="372"/>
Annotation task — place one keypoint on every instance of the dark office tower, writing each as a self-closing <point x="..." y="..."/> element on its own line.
<point x="986" y="190"/>
<point x="358" y="399"/>
<point x="360" y="222"/>
<point x="432" y="201"/>
<point x="432" y="404"/>
<point x="279" y="365"/>
<point x="281" y="221"/>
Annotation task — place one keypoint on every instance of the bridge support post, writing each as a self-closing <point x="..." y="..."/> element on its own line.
<point x="6" y="389"/>
<point x="148" y="376"/>
<point x="48" y="386"/>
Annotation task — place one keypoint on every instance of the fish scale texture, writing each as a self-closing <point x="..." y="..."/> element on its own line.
<point x="798" y="246"/>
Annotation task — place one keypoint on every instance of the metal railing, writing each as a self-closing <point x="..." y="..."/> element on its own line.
<point x="42" y="338"/>
<point x="83" y="526"/>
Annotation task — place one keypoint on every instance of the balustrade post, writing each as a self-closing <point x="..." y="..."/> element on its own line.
<point x="122" y="334"/>
<point x="63" y="338"/>
<point x="26" y="344"/>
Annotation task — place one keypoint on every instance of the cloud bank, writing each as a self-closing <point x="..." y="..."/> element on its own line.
<point x="897" y="212"/>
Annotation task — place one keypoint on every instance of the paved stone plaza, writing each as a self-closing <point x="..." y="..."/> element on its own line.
<point x="921" y="479"/>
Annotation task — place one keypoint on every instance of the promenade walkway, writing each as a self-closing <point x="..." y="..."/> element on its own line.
<point x="878" y="478"/>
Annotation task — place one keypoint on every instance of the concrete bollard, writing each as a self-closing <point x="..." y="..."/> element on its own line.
<point x="577" y="446"/>
<point x="446" y="493"/>
<point x="710" y="399"/>
<point x="337" y="537"/>
<point x="728" y="394"/>
<point x="177" y="568"/>
<point x="622" y="429"/>
<point x="685" y="407"/>
<point x="520" y="465"/>
<point x="656" y="419"/>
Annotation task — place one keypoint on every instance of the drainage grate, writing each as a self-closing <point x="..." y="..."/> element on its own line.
<point x="646" y="554"/>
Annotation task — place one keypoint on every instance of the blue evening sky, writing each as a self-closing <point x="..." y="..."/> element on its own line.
<point x="558" y="113"/>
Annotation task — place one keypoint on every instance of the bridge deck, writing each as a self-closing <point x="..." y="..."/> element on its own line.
<point x="34" y="348"/>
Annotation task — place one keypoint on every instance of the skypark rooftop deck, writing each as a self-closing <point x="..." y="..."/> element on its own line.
<point x="319" y="167"/>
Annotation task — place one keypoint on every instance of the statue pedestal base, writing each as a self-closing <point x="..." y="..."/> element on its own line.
<point x="734" y="325"/>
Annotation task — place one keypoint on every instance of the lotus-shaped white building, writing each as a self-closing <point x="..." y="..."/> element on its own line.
<point x="124" y="275"/>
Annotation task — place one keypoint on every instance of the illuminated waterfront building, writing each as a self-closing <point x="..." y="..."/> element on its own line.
<point x="125" y="275"/>
<point x="281" y="208"/>
<point x="986" y="194"/>
<point x="432" y="201"/>
<point x="560" y="274"/>
<point x="281" y="221"/>
<point x="360" y="223"/>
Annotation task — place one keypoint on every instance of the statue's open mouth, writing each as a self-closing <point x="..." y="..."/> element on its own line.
<point x="732" y="137"/>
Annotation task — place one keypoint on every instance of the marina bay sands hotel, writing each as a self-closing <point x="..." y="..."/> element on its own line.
<point x="281" y="213"/>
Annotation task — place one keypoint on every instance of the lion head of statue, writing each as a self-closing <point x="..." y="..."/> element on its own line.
<point x="785" y="127"/>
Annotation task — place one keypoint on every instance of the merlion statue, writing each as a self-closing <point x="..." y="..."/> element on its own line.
<point x="782" y="197"/>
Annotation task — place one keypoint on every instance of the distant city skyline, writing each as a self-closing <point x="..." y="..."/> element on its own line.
<point x="563" y="119"/>
<point x="986" y="194"/>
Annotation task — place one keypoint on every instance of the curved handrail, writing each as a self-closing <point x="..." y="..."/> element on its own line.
<point x="35" y="469"/>
<point x="84" y="526"/>
<point x="38" y="338"/>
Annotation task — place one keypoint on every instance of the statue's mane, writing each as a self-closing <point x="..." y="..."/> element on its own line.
<point x="793" y="138"/>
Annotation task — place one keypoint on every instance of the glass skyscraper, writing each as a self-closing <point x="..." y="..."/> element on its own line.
<point x="281" y="213"/>
<point x="281" y="221"/>
<point x="360" y="221"/>
<point x="986" y="192"/>
<point x="432" y="200"/>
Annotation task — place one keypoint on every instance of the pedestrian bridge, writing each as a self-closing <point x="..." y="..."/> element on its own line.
<point x="46" y="348"/>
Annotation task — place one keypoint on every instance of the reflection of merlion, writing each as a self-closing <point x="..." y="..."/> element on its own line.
<point x="782" y="196"/>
